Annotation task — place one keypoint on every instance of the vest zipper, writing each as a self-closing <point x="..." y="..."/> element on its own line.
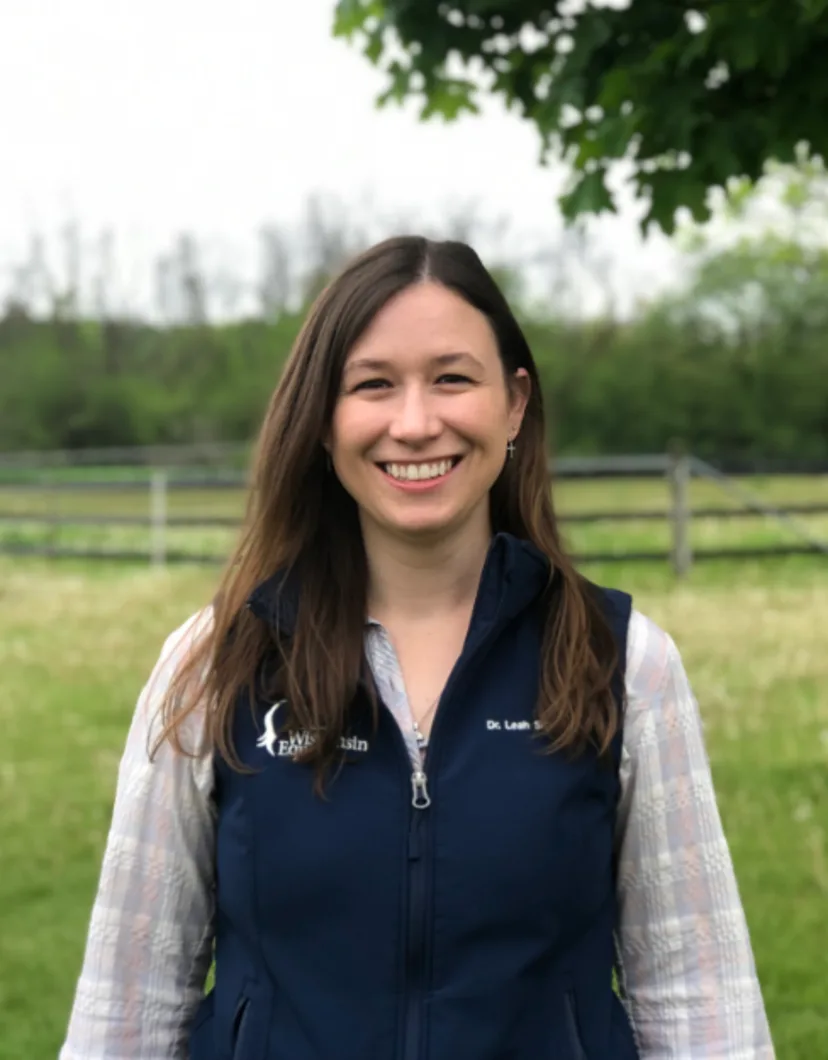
<point x="415" y="966"/>
<point x="414" y="984"/>
<point x="420" y="799"/>
<point x="416" y="929"/>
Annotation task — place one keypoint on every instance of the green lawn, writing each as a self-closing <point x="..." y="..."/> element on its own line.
<point x="76" y="643"/>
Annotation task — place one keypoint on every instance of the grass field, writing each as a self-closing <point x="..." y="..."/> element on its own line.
<point x="77" y="641"/>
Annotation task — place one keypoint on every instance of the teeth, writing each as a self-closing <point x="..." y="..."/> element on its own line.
<point x="418" y="472"/>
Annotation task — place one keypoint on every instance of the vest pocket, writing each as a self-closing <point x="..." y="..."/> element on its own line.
<point x="250" y="1027"/>
<point x="241" y="1022"/>
<point x="575" y="1043"/>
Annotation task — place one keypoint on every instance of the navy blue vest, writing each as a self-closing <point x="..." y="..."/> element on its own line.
<point x="358" y="927"/>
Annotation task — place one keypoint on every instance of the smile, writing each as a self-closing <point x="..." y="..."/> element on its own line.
<point x="427" y="471"/>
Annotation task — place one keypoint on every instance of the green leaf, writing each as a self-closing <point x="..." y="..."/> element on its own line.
<point x="812" y="10"/>
<point x="744" y="48"/>
<point x="590" y="149"/>
<point x="398" y="88"/>
<point x="589" y="195"/>
<point x="671" y="189"/>
<point x="616" y="89"/>
<point x="695" y="49"/>
<point x="448" y="99"/>
<point x="373" y="50"/>
<point x="777" y="57"/>
<point x="350" y="16"/>
<point x="615" y="134"/>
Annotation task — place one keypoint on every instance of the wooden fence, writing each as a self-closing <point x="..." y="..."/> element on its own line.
<point x="168" y="470"/>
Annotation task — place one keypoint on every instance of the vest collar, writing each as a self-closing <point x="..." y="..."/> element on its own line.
<point x="514" y="574"/>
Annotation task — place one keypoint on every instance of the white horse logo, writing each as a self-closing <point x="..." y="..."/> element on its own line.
<point x="270" y="736"/>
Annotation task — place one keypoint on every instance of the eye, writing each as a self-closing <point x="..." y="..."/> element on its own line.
<point x="371" y="384"/>
<point x="453" y="379"/>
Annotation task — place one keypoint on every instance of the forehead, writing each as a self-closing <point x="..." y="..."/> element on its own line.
<point x="427" y="320"/>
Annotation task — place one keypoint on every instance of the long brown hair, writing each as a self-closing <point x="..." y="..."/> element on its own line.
<point x="300" y="519"/>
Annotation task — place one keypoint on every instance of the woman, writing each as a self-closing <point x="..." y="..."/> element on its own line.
<point x="416" y="785"/>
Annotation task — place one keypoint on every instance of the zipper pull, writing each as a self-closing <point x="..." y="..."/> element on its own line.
<point x="421" y="799"/>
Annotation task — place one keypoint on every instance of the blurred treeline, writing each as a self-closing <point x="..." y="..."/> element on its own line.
<point x="735" y="364"/>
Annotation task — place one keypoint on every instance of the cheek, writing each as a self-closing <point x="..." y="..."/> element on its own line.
<point x="484" y="417"/>
<point x="349" y="428"/>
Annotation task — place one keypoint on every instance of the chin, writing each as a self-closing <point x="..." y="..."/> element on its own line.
<point x="424" y="528"/>
<point x="422" y="525"/>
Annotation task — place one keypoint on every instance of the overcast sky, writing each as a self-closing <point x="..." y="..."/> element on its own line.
<point x="214" y="117"/>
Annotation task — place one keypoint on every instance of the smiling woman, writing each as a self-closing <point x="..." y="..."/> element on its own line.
<point x="418" y="785"/>
<point x="416" y="416"/>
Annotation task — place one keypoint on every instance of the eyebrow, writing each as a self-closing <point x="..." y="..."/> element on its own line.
<point x="442" y="360"/>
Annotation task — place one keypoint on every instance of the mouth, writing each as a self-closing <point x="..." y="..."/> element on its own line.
<point x="420" y="473"/>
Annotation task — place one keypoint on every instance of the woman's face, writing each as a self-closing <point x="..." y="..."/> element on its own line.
<point x="424" y="415"/>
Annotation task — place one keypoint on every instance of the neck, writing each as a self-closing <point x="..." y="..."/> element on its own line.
<point x="419" y="579"/>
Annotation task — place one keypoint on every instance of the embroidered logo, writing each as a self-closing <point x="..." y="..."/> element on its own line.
<point x="512" y="726"/>
<point x="270" y="736"/>
<point x="297" y="741"/>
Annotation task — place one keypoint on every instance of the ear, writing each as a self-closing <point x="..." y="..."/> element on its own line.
<point x="520" y="387"/>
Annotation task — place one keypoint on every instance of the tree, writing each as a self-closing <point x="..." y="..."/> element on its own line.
<point x="274" y="286"/>
<point x="690" y="93"/>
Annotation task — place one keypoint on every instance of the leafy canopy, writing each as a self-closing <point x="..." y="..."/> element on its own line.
<point x="691" y="93"/>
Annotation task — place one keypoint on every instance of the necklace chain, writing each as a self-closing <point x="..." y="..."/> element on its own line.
<point x="420" y="736"/>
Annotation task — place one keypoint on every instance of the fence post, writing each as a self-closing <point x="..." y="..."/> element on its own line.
<point x="53" y="511"/>
<point x="679" y="473"/>
<point x="158" y="518"/>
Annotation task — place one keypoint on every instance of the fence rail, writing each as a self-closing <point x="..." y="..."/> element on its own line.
<point x="210" y="454"/>
<point x="677" y="469"/>
<point x="178" y="556"/>
<point x="237" y="454"/>
<point x="221" y="522"/>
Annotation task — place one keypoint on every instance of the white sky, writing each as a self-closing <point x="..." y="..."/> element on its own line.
<point x="213" y="117"/>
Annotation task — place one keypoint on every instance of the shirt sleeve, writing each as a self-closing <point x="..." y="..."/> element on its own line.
<point x="150" y="937"/>
<point x="685" y="964"/>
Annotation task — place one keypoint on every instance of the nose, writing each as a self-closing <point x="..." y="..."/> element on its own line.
<point x="414" y="420"/>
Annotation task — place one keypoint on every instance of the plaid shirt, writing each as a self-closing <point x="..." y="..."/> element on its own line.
<point x="684" y="958"/>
